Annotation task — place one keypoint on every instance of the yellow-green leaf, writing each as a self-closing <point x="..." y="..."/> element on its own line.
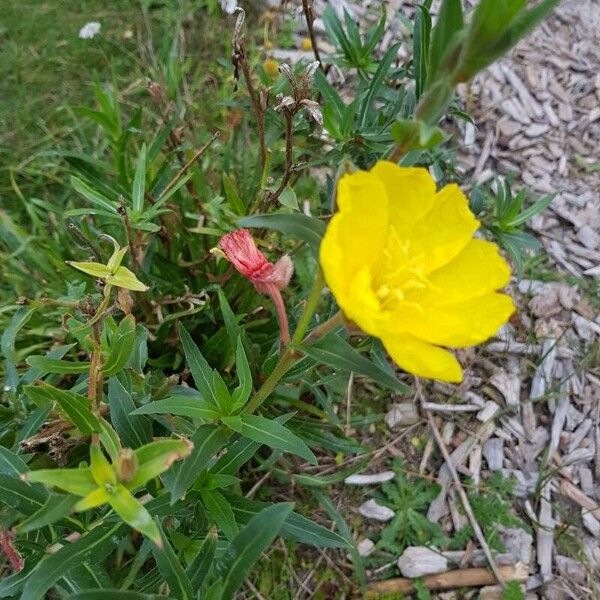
<point x="94" y="269"/>
<point x="101" y="469"/>
<point x="75" y="481"/>
<point x="155" y="458"/>
<point x="134" y="514"/>
<point x="114" y="262"/>
<point x="124" y="278"/>
<point x="95" y="498"/>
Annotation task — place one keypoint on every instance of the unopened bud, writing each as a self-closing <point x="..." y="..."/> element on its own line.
<point x="126" y="465"/>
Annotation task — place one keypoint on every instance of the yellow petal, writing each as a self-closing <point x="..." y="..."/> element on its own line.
<point x="445" y="230"/>
<point x="355" y="235"/>
<point x="362" y="305"/>
<point x="410" y="192"/>
<point x="477" y="270"/>
<point x="423" y="359"/>
<point x="95" y="498"/>
<point x="458" y="325"/>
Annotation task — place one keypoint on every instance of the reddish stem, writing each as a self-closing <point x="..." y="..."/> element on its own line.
<point x="284" y="330"/>
<point x="6" y="545"/>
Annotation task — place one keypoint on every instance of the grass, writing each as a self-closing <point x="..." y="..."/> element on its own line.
<point x="46" y="70"/>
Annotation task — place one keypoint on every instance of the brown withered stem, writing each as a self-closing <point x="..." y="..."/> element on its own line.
<point x="258" y="110"/>
<point x="459" y="488"/>
<point x="271" y="198"/>
<point x="239" y="60"/>
<point x="307" y="7"/>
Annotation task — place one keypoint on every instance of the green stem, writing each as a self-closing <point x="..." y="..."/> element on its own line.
<point x="289" y="355"/>
<point x="309" y="308"/>
<point x="281" y="368"/>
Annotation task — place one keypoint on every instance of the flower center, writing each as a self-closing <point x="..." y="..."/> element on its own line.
<point x="400" y="272"/>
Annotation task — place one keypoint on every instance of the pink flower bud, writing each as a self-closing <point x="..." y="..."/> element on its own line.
<point x="268" y="278"/>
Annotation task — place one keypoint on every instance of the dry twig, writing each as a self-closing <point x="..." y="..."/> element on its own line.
<point x="461" y="491"/>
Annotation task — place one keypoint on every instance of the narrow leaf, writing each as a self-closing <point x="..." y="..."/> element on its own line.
<point x="155" y="458"/>
<point x="134" y="514"/>
<point x="200" y="566"/>
<point x="200" y="369"/>
<point x="184" y="406"/>
<point x="74" y="406"/>
<point x="207" y="440"/>
<point x="139" y="182"/>
<point x="170" y="567"/>
<point x="75" y="481"/>
<point x="56" y="507"/>
<point x="218" y="508"/>
<point x="336" y="352"/>
<point x="53" y="365"/>
<point x="297" y="225"/>
<point x="271" y="433"/>
<point x="54" y="566"/>
<point x="134" y="430"/>
<point x="249" y="544"/>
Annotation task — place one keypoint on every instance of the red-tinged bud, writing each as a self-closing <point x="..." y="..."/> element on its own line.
<point x="268" y="278"/>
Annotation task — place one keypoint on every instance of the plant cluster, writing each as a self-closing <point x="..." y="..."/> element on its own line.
<point x="168" y="337"/>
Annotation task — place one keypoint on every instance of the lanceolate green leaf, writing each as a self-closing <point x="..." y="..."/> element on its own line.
<point x="297" y="225"/>
<point x="121" y="347"/>
<point x="75" y="406"/>
<point x="201" y="370"/>
<point x="139" y="183"/>
<point x="207" y="439"/>
<point x="170" y="567"/>
<point x="22" y="497"/>
<point x="94" y="269"/>
<point x="219" y="510"/>
<point x="93" y="196"/>
<point x="134" y="513"/>
<point x="244" y="389"/>
<point x="200" y="566"/>
<point x="184" y="406"/>
<point x="296" y="526"/>
<point x="234" y="331"/>
<point x="52" y="567"/>
<point x="334" y="351"/>
<point x="157" y="457"/>
<point x="53" y="365"/>
<point x="134" y="430"/>
<point x="248" y="545"/>
<point x="56" y="507"/>
<point x="448" y="25"/>
<point x="11" y="585"/>
<point x="271" y="433"/>
<point x="422" y="29"/>
<point x="75" y="481"/>
<point x="10" y="463"/>
<point x="241" y="451"/>
<point x="19" y="319"/>
<point x="377" y="82"/>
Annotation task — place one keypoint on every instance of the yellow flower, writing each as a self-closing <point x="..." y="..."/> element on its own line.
<point x="306" y="44"/>
<point x="402" y="263"/>
<point x="271" y="67"/>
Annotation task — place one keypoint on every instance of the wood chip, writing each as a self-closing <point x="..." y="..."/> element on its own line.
<point x="370" y="479"/>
